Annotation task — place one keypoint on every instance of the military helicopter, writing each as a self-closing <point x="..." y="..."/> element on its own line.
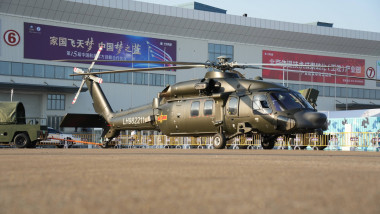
<point x="223" y="105"/>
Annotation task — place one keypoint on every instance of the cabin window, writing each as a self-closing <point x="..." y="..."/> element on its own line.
<point x="233" y="106"/>
<point x="207" y="110"/>
<point x="194" y="111"/>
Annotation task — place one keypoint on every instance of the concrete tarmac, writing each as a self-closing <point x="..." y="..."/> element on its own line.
<point x="188" y="181"/>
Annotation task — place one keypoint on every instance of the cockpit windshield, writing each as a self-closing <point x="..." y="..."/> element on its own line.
<point x="283" y="101"/>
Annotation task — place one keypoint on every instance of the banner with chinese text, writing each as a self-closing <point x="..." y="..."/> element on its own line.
<point x="341" y="66"/>
<point x="52" y="43"/>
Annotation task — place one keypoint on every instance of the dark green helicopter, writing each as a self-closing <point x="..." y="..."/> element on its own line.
<point x="223" y="104"/>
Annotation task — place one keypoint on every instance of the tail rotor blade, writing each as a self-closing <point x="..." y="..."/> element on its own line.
<point x="96" y="57"/>
<point x="80" y="88"/>
<point x="78" y="70"/>
<point x="96" y="79"/>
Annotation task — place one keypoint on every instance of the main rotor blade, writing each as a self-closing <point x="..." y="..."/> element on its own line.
<point x="319" y="73"/>
<point x="80" y="88"/>
<point x="254" y="65"/>
<point x="144" y="69"/>
<point x="134" y="61"/>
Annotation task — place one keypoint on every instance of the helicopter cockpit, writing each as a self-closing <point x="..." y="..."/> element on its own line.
<point x="283" y="101"/>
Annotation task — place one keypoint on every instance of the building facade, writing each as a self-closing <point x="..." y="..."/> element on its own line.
<point x="36" y="33"/>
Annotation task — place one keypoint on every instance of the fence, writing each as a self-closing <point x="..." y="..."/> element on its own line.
<point x="346" y="141"/>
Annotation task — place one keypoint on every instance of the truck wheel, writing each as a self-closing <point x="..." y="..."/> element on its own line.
<point x="219" y="141"/>
<point x="32" y="145"/>
<point x="21" y="140"/>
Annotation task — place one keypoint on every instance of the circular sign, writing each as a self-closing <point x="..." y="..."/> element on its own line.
<point x="11" y="37"/>
<point x="370" y="72"/>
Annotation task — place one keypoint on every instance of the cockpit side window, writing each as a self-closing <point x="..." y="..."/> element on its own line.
<point x="260" y="104"/>
<point x="288" y="100"/>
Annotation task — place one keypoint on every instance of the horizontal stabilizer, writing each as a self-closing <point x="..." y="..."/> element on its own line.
<point x="83" y="120"/>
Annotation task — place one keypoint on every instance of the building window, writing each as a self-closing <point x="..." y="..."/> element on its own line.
<point x="59" y="72"/>
<point x="63" y="72"/>
<point x="377" y="94"/>
<point x="56" y="102"/>
<point x="216" y="50"/>
<point x="39" y="70"/>
<point x="49" y="71"/>
<point x="54" y="121"/>
<point x="170" y="79"/>
<point x="140" y="78"/>
<point x="28" y="70"/>
<point x="105" y="77"/>
<point x="156" y="79"/>
<point x="68" y="71"/>
<point x="5" y="68"/>
<point x="16" y="69"/>
<point x="366" y="93"/>
<point x="332" y="91"/>
<point x="123" y="78"/>
<point x="355" y="93"/>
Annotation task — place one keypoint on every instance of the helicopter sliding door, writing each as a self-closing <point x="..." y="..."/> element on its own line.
<point x="193" y="117"/>
<point x="201" y="117"/>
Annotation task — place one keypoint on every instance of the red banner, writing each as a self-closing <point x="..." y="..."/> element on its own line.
<point x="341" y="66"/>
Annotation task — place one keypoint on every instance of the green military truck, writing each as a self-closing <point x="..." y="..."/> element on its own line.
<point x="13" y="127"/>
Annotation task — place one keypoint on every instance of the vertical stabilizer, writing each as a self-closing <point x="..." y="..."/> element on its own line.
<point x="101" y="105"/>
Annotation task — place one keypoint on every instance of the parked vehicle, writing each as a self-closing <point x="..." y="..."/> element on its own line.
<point x="13" y="127"/>
<point x="59" y="139"/>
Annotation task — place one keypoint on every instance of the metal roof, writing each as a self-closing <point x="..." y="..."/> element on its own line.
<point x="40" y="88"/>
<point x="161" y="19"/>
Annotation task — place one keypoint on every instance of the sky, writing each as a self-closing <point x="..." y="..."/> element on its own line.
<point x="361" y="15"/>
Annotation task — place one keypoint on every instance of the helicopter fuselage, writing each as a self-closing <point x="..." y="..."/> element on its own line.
<point x="223" y="103"/>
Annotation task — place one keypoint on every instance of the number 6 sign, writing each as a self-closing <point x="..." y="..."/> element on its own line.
<point x="11" y="37"/>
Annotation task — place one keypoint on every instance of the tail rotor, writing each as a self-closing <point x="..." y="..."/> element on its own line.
<point x="89" y="76"/>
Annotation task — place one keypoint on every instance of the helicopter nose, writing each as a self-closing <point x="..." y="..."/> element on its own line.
<point x="313" y="120"/>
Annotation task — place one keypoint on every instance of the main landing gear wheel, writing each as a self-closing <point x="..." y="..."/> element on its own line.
<point x="219" y="141"/>
<point x="268" y="144"/>
<point x="105" y="145"/>
<point x="22" y="140"/>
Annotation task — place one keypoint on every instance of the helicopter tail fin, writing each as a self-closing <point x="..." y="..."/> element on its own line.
<point x="100" y="102"/>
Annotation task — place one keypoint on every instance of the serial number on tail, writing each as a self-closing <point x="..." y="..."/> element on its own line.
<point x="133" y="120"/>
